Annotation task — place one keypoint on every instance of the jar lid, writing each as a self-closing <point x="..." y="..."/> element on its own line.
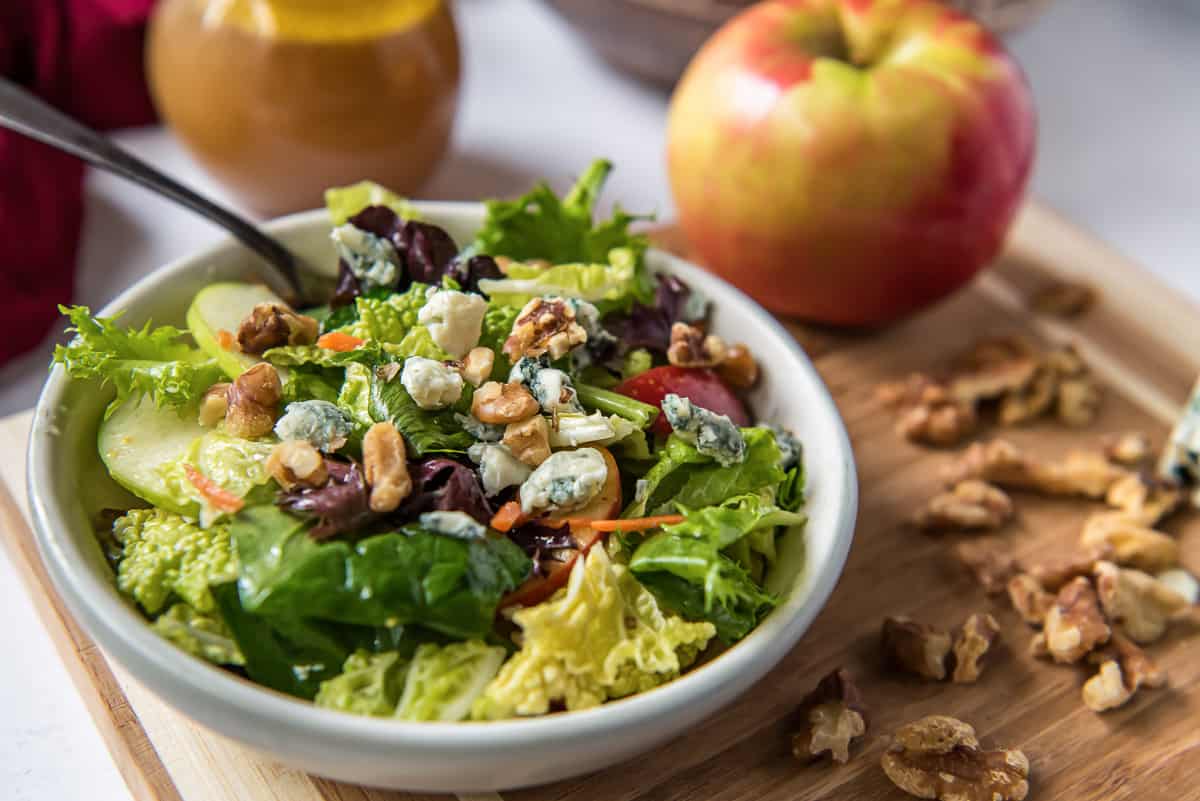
<point x="318" y="20"/>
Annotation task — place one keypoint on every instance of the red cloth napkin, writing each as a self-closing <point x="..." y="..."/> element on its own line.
<point x="85" y="57"/>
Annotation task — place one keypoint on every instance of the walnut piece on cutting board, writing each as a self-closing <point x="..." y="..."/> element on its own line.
<point x="939" y="757"/>
<point x="1124" y="669"/>
<point x="971" y="643"/>
<point x="999" y="462"/>
<point x="1139" y="603"/>
<point x="1063" y="299"/>
<point x="1129" y="449"/>
<point x="1144" y="499"/>
<point x="832" y="717"/>
<point x="989" y="563"/>
<point x="1029" y="598"/>
<point x="915" y="647"/>
<point x="1129" y="543"/>
<point x="970" y="505"/>
<point x="1074" y="626"/>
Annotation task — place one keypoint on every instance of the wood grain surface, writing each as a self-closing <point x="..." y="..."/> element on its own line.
<point x="1142" y="339"/>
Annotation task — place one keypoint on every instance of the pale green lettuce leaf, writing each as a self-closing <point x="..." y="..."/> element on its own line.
<point x="602" y="636"/>
<point x="607" y="285"/>
<point x="236" y="465"/>
<point x="165" y="556"/>
<point x="343" y="202"/>
<point x="444" y="680"/>
<point x="369" y="684"/>
<point x="202" y="635"/>
<point x="389" y="319"/>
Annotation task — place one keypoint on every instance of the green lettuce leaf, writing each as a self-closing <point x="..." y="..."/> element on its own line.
<point x="448" y="585"/>
<point x="369" y="684"/>
<point x="497" y="325"/>
<point x="684" y="477"/>
<point x="424" y="431"/>
<point x="791" y="489"/>
<point x="312" y="356"/>
<point x="165" y="556"/>
<point x="391" y="318"/>
<point x="444" y="680"/>
<point x="609" y="286"/>
<point x="136" y="361"/>
<point x="316" y="384"/>
<point x="236" y="465"/>
<point x="538" y="225"/>
<point x="602" y="636"/>
<point x="700" y="559"/>
<point x="202" y="635"/>
<point x="343" y="202"/>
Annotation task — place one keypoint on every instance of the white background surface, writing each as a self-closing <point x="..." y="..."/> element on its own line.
<point x="1120" y="121"/>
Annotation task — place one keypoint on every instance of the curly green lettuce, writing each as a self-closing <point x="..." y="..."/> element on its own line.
<point x="202" y="635"/>
<point x="164" y="556"/>
<point x="445" y="680"/>
<point x="136" y="361"/>
<point x="603" y="636"/>
<point x="369" y="684"/>
<point x="391" y="318"/>
<point x="343" y="202"/>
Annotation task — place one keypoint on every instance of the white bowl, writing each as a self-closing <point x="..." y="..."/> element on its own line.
<point x="67" y="484"/>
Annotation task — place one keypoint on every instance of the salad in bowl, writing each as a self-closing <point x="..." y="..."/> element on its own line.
<point x="488" y="479"/>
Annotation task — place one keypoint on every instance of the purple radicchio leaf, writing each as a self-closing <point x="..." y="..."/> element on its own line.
<point x="650" y="326"/>
<point x="543" y="544"/>
<point x="443" y="485"/>
<point x="468" y="273"/>
<point x="428" y="252"/>
<point x="339" y="506"/>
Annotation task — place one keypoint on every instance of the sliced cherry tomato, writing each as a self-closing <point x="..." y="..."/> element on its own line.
<point x="702" y="387"/>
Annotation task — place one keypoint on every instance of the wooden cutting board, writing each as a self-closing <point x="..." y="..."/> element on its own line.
<point x="1142" y="339"/>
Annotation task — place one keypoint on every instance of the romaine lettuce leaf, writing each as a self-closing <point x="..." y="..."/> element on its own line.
<point x="236" y="465"/>
<point x="684" y="477"/>
<point x="444" y="680"/>
<point x="369" y="684"/>
<point x="136" y="361"/>
<point x="202" y="635"/>
<point x="165" y="556"/>
<point x="424" y="431"/>
<point x="389" y="319"/>
<point x="602" y="636"/>
<point x="608" y="285"/>
<point x="697" y="553"/>
<point x="313" y="356"/>
<point x="411" y="576"/>
<point x="343" y="202"/>
<point x="538" y="225"/>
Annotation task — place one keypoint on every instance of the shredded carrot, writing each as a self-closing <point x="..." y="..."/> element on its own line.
<point x="339" y="341"/>
<point x="508" y="517"/>
<point x="226" y="340"/>
<point x="633" y="524"/>
<point x="212" y="492"/>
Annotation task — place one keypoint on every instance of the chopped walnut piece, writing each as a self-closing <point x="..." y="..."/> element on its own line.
<point x="1053" y="573"/>
<point x="938" y="419"/>
<point x="254" y="402"/>
<point x="691" y="348"/>
<point x="971" y="643"/>
<point x="1144" y="498"/>
<point x="296" y="463"/>
<point x="991" y="351"/>
<point x="1066" y="361"/>
<point x="1129" y="449"/>
<point x="385" y="467"/>
<point x="1139" y="603"/>
<point x="915" y="647"/>
<point x="477" y="365"/>
<point x="1075" y="625"/>
<point x="270" y="325"/>
<point x="908" y="391"/>
<point x="1124" y="669"/>
<point x="970" y="505"/>
<point x="213" y="404"/>
<point x="988" y="562"/>
<point x="501" y="404"/>
<point x="1182" y="582"/>
<point x="544" y="325"/>
<point x="1030" y="401"/>
<point x="1130" y="543"/>
<point x="993" y="378"/>
<point x="939" y="757"/>
<point x="1063" y="299"/>
<point x="1037" y="646"/>
<point x="1078" y="401"/>
<point x="833" y="716"/>
<point x="1029" y="598"/>
<point x="739" y="369"/>
<point x="529" y="440"/>
<point x="1002" y="463"/>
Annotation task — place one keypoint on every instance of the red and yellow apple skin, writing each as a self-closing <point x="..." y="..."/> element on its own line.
<point x="849" y="161"/>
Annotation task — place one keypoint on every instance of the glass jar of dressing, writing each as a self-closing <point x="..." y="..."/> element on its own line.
<point x="280" y="99"/>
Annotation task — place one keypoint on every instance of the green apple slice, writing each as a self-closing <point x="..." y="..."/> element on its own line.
<point x="141" y="442"/>
<point x="222" y="307"/>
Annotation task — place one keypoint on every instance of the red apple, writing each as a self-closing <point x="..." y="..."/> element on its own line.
<point x="849" y="161"/>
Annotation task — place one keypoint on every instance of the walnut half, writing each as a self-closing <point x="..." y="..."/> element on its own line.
<point x="939" y="757"/>
<point x="544" y="325"/>
<point x="970" y="505"/>
<point x="832" y="717"/>
<point x="1141" y="604"/>
<point x="270" y="325"/>
<point x="1124" y="669"/>
<point x="972" y="642"/>
<point x="1080" y="473"/>
<point x="915" y="647"/>
<point x="691" y="348"/>
<point x="1075" y="625"/>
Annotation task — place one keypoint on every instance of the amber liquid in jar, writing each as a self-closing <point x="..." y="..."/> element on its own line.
<point x="280" y="99"/>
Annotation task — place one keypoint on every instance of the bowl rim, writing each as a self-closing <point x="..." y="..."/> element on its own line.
<point x="122" y="631"/>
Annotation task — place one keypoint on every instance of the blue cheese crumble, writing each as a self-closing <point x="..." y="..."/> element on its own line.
<point x="790" y="448"/>
<point x="481" y="431"/>
<point x="459" y="525"/>
<point x="713" y="434"/>
<point x="600" y="343"/>
<point x="320" y="423"/>
<point x="373" y="260"/>
<point x="498" y="468"/>
<point x="550" y="387"/>
<point x="454" y="320"/>
<point x="567" y="480"/>
<point x="430" y="383"/>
